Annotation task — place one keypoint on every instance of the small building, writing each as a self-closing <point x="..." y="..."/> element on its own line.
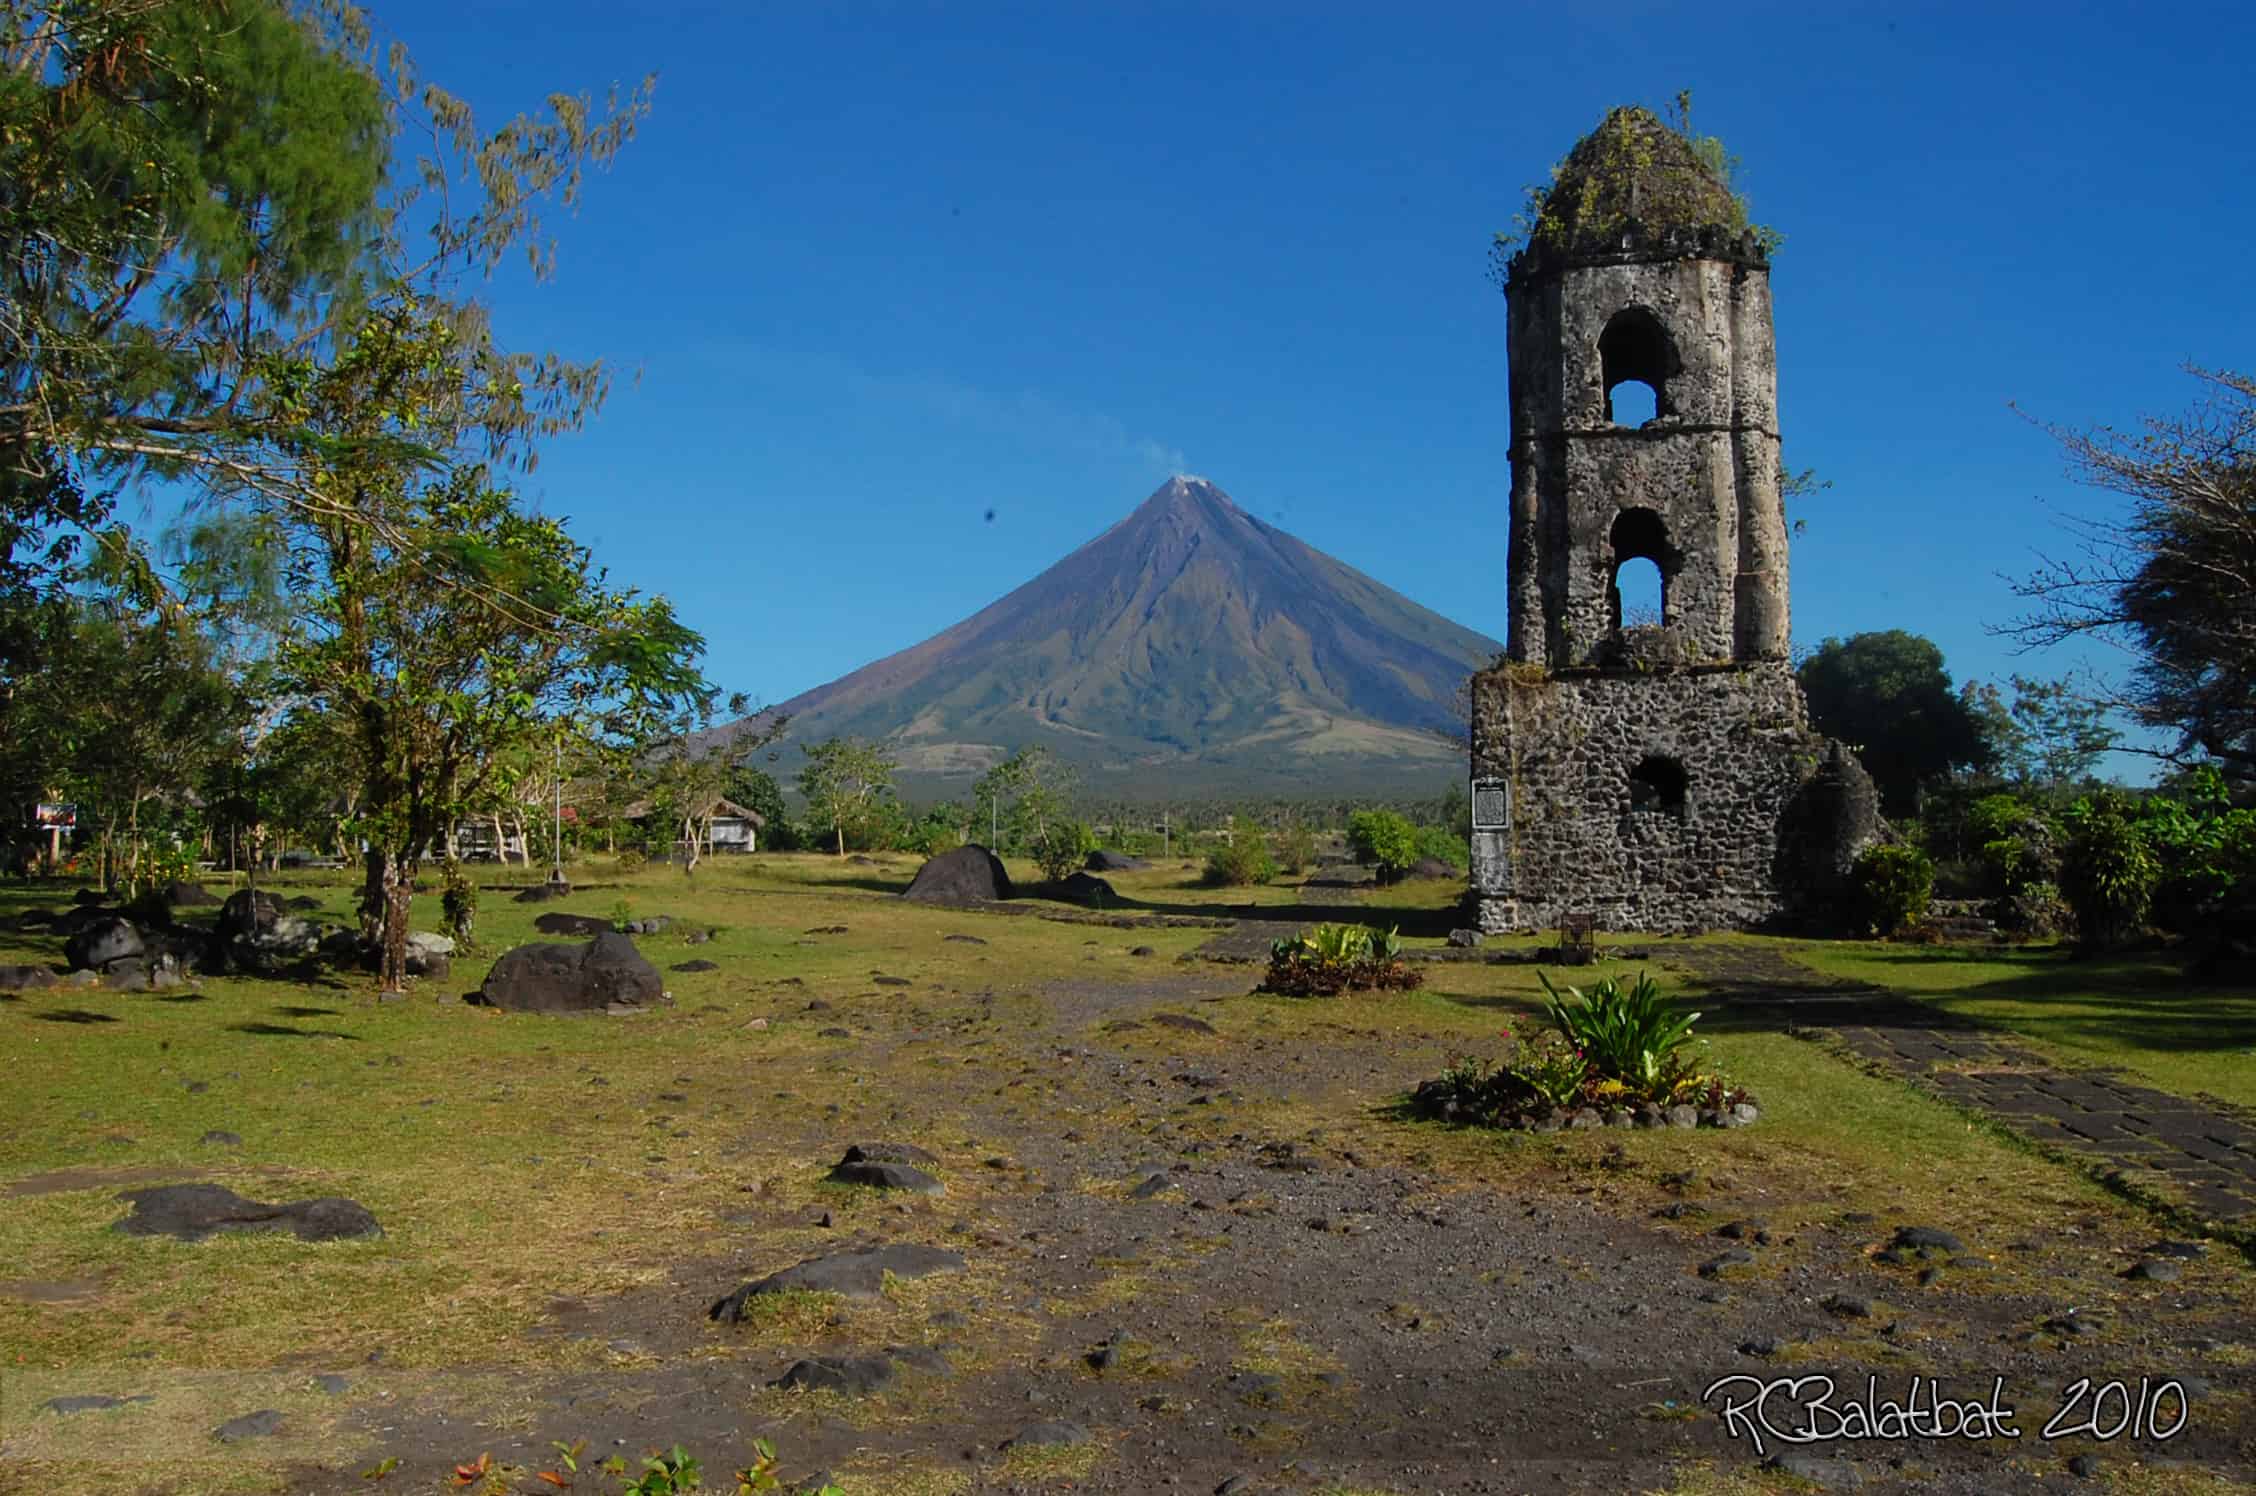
<point x="734" y="828"/>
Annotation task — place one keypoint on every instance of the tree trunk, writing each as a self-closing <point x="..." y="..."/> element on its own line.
<point x="399" y="893"/>
<point x="840" y="828"/>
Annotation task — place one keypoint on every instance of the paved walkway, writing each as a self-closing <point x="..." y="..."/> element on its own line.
<point x="2208" y="1155"/>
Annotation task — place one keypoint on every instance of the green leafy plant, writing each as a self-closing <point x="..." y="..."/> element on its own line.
<point x="1294" y="849"/>
<point x="1333" y="958"/>
<point x="1239" y="863"/>
<point x="459" y="903"/>
<point x="2108" y="871"/>
<point x="1441" y="844"/>
<point x="1894" y="884"/>
<point x="1062" y="846"/>
<point x="672" y="1473"/>
<point x="1630" y="1034"/>
<point x="1384" y="841"/>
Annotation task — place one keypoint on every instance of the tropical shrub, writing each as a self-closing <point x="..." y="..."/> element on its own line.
<point x="2108" y="871"/>
<point x="1384" y="841"/>
<point x="1894" y="884"/>
<point x="1294" y="849"/>
<point x="1442" y="845"/>
<point x="1062" y="847"/>
<point x="1631" y="1036"/>
<point x="1238" y="863"/>
<point x="1334" y="958"/>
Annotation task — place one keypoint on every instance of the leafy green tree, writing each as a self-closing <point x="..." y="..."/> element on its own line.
<point x="1020" y="797"/>
<point x="437" y="617"/>
<point x="2047" y="737"/>
<point x="845" y="781"/>
<point x="1383" y="840"/>
<point x="1062" y="846"/>
<point x="203" y="192"/>
<point x="756" y="790"/>
<point x="2171" y="575"/>
<point x="1887" y="696"/>
<point x="2108" y="871"/>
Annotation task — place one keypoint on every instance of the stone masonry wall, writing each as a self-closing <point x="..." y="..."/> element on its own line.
<point x="1568" y="744"/>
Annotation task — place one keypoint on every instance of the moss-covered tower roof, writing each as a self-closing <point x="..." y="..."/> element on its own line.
<point x="1635" y="187"/>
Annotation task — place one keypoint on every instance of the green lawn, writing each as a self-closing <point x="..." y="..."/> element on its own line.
<point x="2133" y="1013"/>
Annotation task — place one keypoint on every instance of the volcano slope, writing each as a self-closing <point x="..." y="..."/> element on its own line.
<point x="1318" y="1296"/>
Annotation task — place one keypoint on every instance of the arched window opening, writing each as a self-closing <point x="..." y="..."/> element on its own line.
<point x="1633" y="402"/>
<point x="1657" y="786"/>
<point x="1639" y="594"/>
<point x="1636" y="361"/>
<point x="1643" y="562"/>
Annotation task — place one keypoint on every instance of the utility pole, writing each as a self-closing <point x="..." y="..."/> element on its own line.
<point x="1166" y="844"/>
<point x="556" y="869"/>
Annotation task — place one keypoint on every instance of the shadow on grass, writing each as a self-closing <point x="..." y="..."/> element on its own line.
<point x="295" y="1012"/>
<point x="284" y="1031"/>
<point x="181" y="997"/>
<point x="2136" y="1002"/>
<point x="75" y="1015"/>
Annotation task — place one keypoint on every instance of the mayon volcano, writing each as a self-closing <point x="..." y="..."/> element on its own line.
<point x="1190" y="649"/>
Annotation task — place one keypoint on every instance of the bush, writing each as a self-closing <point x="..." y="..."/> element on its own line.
<point x="1239" y="863"/>
<point x="459" y="904"/>
<point x="1606" y="1048"/>
<point x="1382" y="840"/>
<point x="1442" y="845"/>
<point x="1294" y="849"/>
<point x="1893" y="885"/>
<point x="631" y="860"/>
<point x="1330" y="959"/>
<point x="1062" y="847"/>
<point x="2108" y="872"/>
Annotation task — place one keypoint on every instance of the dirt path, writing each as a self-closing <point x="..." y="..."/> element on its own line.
<point x="1280" y="1310"/>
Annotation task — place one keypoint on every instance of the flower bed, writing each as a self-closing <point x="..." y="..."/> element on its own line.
<point x="1331" y="959"/>
<point x="1618" y="1056"/>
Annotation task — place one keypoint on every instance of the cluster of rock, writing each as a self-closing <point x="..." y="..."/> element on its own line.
<point x="1433" y="1099"/>
<point x="151" y="945"/>
<point x="973" y="875"/>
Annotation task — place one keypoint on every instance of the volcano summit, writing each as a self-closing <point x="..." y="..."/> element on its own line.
<point x="1188" y="649"/>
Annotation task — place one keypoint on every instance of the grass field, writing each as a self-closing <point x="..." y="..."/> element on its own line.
<point x="519" y="1164"/>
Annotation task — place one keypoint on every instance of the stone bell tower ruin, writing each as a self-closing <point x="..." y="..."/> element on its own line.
<point x="1656" y="769"/>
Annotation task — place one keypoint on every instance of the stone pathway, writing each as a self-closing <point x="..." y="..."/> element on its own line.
<point x="2208" y="1155"/>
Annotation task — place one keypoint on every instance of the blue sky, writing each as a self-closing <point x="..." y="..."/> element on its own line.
<point x="872" y="270"/>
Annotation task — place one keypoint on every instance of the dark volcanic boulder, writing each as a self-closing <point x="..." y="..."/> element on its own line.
<point x="1114" y="862"/>
<point x="103" y="944"/>
<point x="1433" y="867"/>
<point x="1086" y="888"/>
<point x="80" y="917"/>
<point x="257" y="932"/>
<point x="179" y="895"/>
<point x="250" y="911"/>
<point x="192" y="1212"/>
<point x="25" y="978"/>
<point x="606" y="973"/>
<point x="859" y="1275"/>
<point x="541" y="893"/>
<point x="970" y="874"/>
<point x="584" y="926"/>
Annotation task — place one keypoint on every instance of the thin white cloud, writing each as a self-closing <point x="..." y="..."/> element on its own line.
<point x="1021" y="417"/>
